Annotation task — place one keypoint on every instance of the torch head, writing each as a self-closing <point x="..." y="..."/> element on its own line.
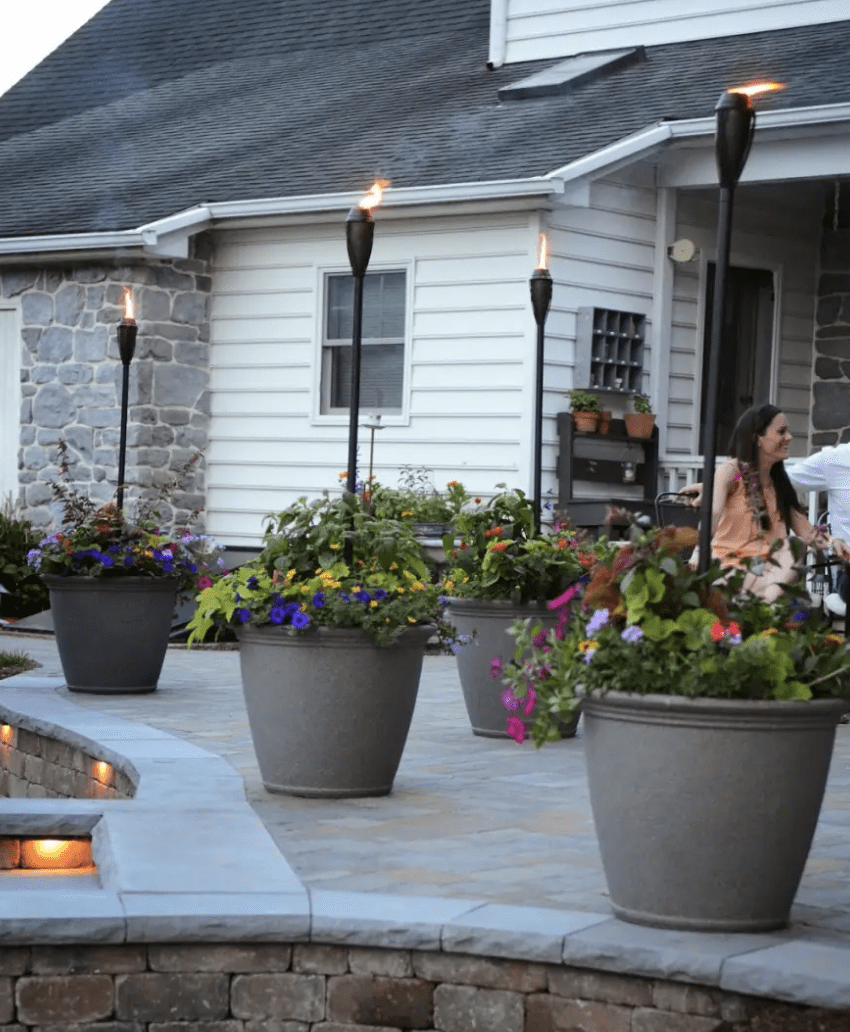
<point x="359" y="235"/>
<point x="541" y="294"/>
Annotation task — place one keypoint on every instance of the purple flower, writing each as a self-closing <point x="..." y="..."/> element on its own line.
<point x="495" y="667"/>
<point x="245" y="615"/>
<point x="300" y="620"/>
<point x="277" y="614"/>
<point x="598" y="621"/>
<point x="508" y="700"/>
<point x="632" y="634"/>
<point x="362" y="596"/>
<point x="343" y="597"/>
<point x="380" y="595"/>
<point x="539" y="638"/>
<point x="530" y="701"/>
<point x="318" y="600"/>
<point x="252" y="582"/>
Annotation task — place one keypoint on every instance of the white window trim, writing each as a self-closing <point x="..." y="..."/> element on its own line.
<point x="401" y="418"/>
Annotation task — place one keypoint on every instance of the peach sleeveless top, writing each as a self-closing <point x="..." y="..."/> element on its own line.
<point x="738" y="534"/>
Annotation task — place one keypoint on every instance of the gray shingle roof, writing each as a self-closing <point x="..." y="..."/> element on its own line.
<point x="155" y="106"/>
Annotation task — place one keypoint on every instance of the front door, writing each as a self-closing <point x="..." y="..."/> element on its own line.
<point x="746" y="346"/>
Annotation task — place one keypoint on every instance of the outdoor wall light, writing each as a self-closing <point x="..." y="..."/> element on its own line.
<point x="56" y="854"/>
<point x="103" y="771"/>
<point x="6" y="734"/>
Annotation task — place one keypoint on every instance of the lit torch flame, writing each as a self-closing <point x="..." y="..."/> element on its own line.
<point x="373" y="198"/>
<point x="129" y="313"/>
<point x="755" y="89"/>
<point x="542" y="255"/>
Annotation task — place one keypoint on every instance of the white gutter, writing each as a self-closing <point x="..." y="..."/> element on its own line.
<point x="71" y="242"/>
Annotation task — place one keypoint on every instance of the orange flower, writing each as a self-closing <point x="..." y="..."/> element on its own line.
<point x="498" y="546"/>
<point x="585" y="560"/>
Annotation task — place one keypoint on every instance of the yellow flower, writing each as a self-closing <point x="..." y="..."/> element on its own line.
<point x="449" y="585"/>
<point x="393" y="566"/>
<point x="411" y="619"/>
<point x="408" y="574"/>
<point x="400" y="591"/>
<point x="305" y="588"/>
<point x="335" y="545"/>
<point x="373" y="604"/>
<point x="387" y="620"/>
<point x="290" y="574"/>
<point x="407" y="512"/>
<point x="417" y="586"/>
<point x="834" y="640"/>
<point x="587" y="645"/>
<point x="768" y="631"/>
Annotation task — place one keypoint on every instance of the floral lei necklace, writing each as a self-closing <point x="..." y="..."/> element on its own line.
<point x="755" y="495"/>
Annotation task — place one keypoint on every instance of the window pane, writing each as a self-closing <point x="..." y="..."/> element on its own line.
<point x="381" y="376"/>
<point x="383" y="305"/>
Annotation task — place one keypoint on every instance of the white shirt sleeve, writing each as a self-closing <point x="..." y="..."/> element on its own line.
<point x="808" y="474"/>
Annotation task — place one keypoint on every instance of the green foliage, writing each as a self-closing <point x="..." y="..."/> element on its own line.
<point x="304" y="579"/>
<point x="641" y="403"/>
<point x="417" y="503"/>
<point x="583" y="401"/>
<point x="647" y="623"/>
<point x="500" y="555"/>
<point x="17" y="538"/>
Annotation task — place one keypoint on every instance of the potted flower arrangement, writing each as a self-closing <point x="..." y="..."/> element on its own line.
<point x="332" y="617"/>
<point x="585" y="409"/>
<point x="502" y="570"/>
<point x="640" y="422"/>
<point x="113" y="584"/>
<point x="709" y="724"/>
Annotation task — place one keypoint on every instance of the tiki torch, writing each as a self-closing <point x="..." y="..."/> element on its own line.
<point x="540" y="285"/>
<point x="734" y="129"/>
<point x="126" y="347"/>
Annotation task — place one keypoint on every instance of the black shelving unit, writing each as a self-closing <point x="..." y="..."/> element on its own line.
<point x="600" y="459"/>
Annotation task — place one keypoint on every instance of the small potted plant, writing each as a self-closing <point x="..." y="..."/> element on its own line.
<point x="640" y="422"/>
<point x="332" y="619"/>
<point x="710" y="718"/>
<point x="114" y="581"/>
<point x="585" y="409"/>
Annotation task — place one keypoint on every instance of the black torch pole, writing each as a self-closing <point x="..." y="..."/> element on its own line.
<point x="541" y="296"/>
<point x="734" y="133"/>
<point x="359" y="235"/>
<point x="126" y="347"/>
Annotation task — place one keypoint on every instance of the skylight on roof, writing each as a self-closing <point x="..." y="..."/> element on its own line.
<point x="566" y="75"/>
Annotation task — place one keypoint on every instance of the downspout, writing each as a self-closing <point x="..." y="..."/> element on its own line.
<point x="498" y="33"/>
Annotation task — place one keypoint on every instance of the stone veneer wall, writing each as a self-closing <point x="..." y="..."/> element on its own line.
<point x="71" y="378"/>
<point x="831" y="391"/>
<point x="329" y="988"/>
<point x="37" y="767"/>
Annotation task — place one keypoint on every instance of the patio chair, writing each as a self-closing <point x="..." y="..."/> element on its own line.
<point x="672" y="510"/>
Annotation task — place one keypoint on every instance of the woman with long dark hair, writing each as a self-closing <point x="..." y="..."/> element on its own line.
<point x="754" y="506"/>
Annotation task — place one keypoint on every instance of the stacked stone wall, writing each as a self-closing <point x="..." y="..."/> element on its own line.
<point x="71" y="377"/>
<point x="37" y="767"/>
<point x="831" y="401"/>
<point x="326" y="988"/>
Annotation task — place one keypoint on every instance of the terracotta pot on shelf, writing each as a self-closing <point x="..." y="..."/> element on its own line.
<point x="586" y="422"/>
<point x="639" y="424"/>
<point x="605" y="421"/>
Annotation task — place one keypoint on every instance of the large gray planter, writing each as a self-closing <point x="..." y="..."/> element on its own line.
<point x="329" y="711"/>
<point x="112" y="632"/>
<point x="488" y="622"/>
<point x="705" y="808"/>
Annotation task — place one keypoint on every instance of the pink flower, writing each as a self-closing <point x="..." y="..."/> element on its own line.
<point x="495" y="667"/>
<point x="565" y="599"/>
<point x="204" y="582"/>
<point x="539" y="638"/>
<point x="516" y="729"/>
<point x="530" y="701"/>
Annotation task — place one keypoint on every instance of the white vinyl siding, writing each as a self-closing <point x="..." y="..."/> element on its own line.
<point x="469" y="375"/>
<point x="10" y="399"/>
<point x="546" y="29"/>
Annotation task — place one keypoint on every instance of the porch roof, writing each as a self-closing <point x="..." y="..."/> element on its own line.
<point x="154" y="108"/>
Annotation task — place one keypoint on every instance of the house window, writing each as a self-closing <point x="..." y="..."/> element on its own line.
<point x="382" y="351"/>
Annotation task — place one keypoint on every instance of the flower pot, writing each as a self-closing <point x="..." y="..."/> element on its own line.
<point x="112" y="633"/>
<point x="639" y="424"/>
<point x="488" y="623"/>
<point x="705" y="808"/>
<point x="605" y="417"/>
<point x="585" y="422"/>
<point x="329" y="711"/>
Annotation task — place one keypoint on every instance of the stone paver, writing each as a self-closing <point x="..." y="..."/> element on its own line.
<point x="469" y="818"/>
